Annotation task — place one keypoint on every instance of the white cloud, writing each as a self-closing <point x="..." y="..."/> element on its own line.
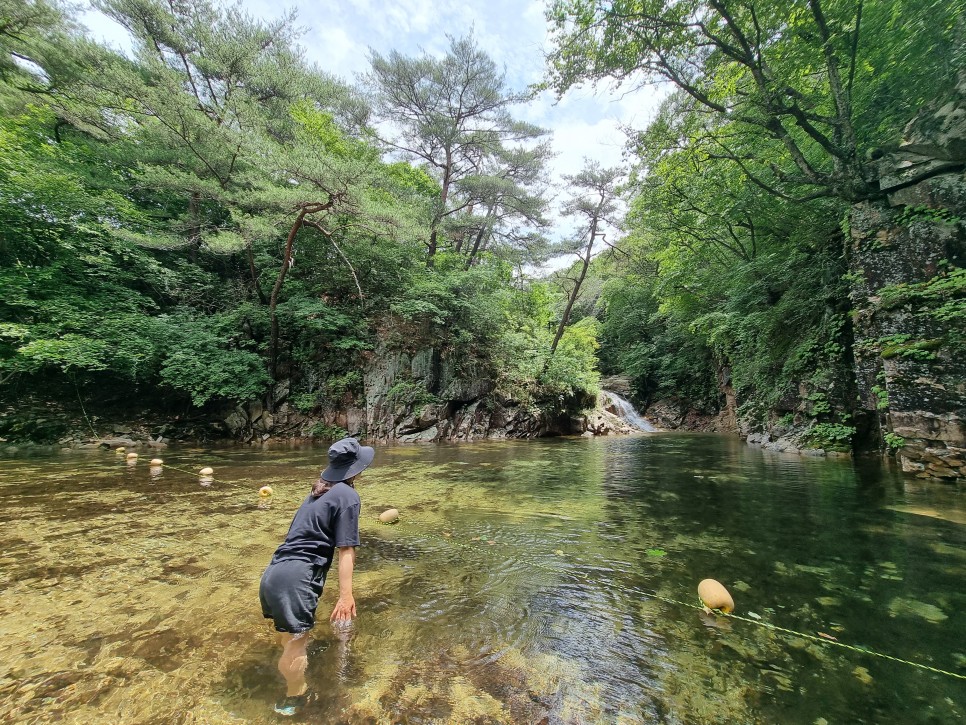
<point x="102" y="28"/>
<point x="575" y="140"/>
<point x="332" y="47"/>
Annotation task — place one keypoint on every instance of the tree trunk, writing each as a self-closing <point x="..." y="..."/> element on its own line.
<point x="461" y="235"/>
<point x="251" y="269"/>
<point x="576" y="290"/>
<point x="438" y="217"/>
<point x="273" y="300"/>
<point x="479" y="237"/>
<point x="194" y="225"/>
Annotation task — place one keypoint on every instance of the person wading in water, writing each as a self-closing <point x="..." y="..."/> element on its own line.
<point x="328" y="520"/>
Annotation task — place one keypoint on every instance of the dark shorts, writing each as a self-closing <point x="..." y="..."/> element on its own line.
<point x="289" y="592"/>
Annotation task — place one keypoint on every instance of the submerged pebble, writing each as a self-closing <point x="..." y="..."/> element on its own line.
<point x="929" y="612"/>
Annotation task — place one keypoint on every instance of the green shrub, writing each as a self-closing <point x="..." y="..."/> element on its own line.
<point x="572" y="371"/>
<point x="830" y="436"/>
<point x="893" y="442"/>
<point x="305" y="402"/>
<point x="327" y="432"/>
<point x="410" y="394"/>
<point x="905" y="347"/>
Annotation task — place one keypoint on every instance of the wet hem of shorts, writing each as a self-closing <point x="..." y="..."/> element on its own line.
<point x="295" y="635"/>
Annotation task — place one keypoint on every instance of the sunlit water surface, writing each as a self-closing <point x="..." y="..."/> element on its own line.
<point x="517" y="587"/>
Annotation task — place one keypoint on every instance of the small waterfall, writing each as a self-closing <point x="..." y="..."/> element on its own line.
<point x="627" y="412"/>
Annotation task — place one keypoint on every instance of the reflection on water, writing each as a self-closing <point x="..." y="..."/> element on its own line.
<point x="515" y="589"/>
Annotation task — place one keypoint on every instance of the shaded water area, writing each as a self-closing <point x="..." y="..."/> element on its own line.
<point x="516" y="587"/>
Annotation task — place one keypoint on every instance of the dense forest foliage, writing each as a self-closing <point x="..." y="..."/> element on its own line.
<point x="734" y="270"/>
<point x="194" y="223"/>
<point x="214" y="214"/>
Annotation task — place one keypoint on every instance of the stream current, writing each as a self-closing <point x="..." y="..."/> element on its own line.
<point x="515" y="589"/>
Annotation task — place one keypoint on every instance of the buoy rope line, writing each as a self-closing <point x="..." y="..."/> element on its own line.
<point x="749" y="620"/>
<point x="654" y="595"/>
<point x="196" y="474"/>
<point x="813" y="637"/>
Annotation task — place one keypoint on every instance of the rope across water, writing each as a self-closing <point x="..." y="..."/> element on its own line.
<point x="760" y="623"/>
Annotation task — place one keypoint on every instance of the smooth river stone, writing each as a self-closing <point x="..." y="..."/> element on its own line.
<point x="715" y="596"/>
<point x="929" y="612"/>
<point x="389" y="516"/>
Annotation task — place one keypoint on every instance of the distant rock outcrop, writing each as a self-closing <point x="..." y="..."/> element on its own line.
<point x="416" y="394"/>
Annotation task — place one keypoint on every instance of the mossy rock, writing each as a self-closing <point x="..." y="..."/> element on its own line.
<point x="918" y="349"/>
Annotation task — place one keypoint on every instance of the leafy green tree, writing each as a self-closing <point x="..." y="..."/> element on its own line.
<point x="207" y="88"/>
<point x="593" y="202"/>
<point x="229" y="116"/>
<point x="817" y="81"/>
<point x="61" y="267"/>
<point x="512" y="191"/>
<point x="210" y="220"/>
<point x="36" y="42"/>
<point x="734" y="252"/>
<point x="451" y="114"/>
<point x="339" y="187"/>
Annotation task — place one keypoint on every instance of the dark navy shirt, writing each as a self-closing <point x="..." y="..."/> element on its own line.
<point x="321" y="525"/>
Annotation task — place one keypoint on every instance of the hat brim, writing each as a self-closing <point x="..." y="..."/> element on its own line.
<point x="341" y="473"/>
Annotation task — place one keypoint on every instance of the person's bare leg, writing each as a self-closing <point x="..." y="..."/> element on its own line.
<point x="293" y="662"/>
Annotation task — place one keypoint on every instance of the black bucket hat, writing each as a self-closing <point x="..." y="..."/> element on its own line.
<point x="346" y="459"/>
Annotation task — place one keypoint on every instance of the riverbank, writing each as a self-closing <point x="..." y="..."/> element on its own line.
<point x="64" y="426"/>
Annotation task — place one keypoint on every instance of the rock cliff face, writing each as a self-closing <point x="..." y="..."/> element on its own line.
<point x="426" y="396"/>
<point x="423" y="395"/>
<point x="908" y="283"/>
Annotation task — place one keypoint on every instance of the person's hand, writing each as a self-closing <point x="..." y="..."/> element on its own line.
<point x="345" y="609"/>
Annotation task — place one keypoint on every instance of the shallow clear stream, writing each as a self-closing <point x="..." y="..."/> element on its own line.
<point x="516" y="587"/>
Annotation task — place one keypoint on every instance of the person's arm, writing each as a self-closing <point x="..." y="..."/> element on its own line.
<point x="345" y="608"/>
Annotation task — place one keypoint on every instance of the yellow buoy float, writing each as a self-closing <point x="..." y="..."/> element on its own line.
<point x="389" y="516"/>
<point x="206" y="471"/>
<point x="157" y="462"/>
<point x="119" y="450"/>
<point x="265" y="492"/>
<point x="132" y="456"/>
<point x="714" y="596"/>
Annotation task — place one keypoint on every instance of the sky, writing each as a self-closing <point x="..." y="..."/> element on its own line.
<point x="340" y="33"/>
